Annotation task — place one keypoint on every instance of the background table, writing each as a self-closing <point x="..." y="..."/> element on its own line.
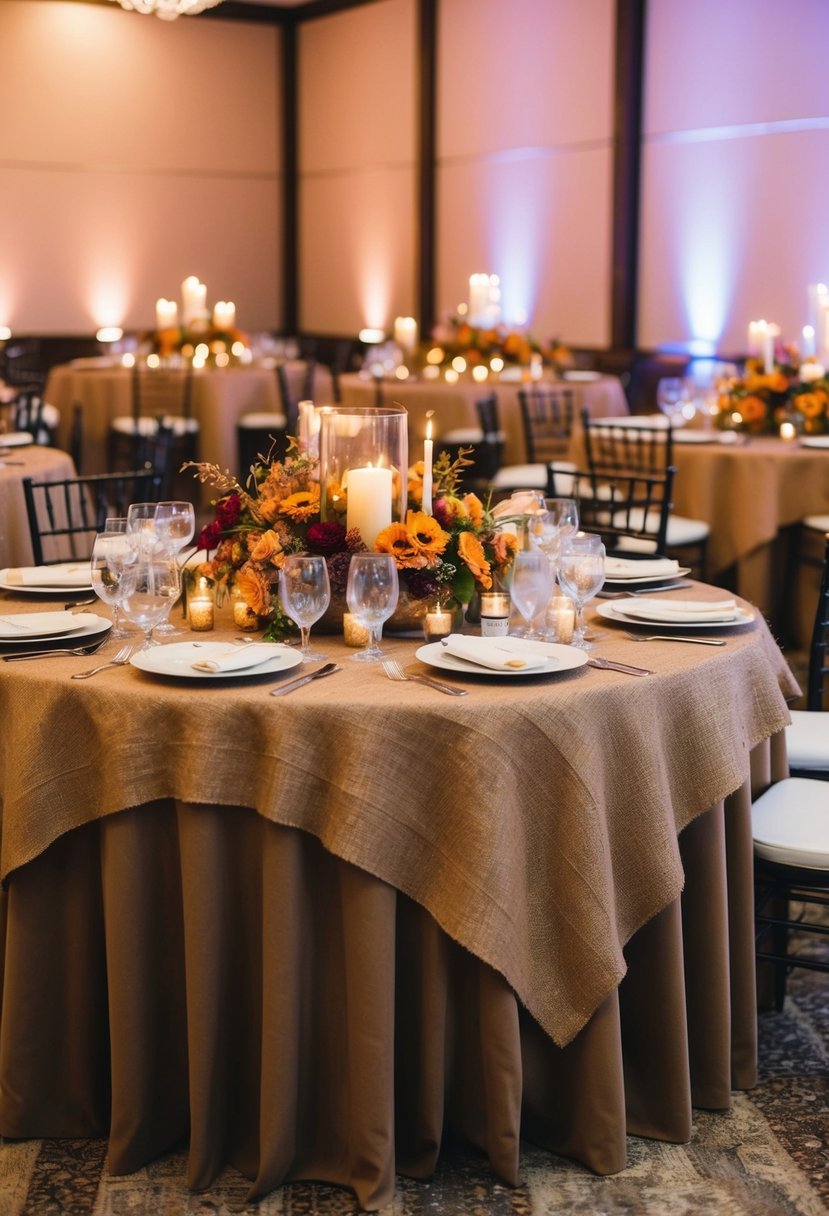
<point x="334" y="926"/>
<point x="219" y="398"/>
<point x="750" y="493"/>
<point x="454" y="404"/>
<point x="42" y="463"/>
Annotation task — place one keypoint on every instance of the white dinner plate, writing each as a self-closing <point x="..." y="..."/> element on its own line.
<point x="57" y="588"/>
<point x="582" y="377"/>
<point x="613" y="612"/>
<point x="177" y="659"/>
<point x="17" y="625"/>
<point x="84" y="625"/>
<point x="682" y="436"/>
<point x="646" y="580"/>
<point x="16" y="439"/>
<point x="815" y="441"/>
<point x="560" y="658"/>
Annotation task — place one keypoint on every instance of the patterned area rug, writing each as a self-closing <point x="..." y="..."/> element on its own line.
<point x="768" y="1157"/>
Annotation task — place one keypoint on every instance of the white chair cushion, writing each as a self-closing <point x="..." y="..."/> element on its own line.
<point x="790" y="823"/>
<point x="147" y="427"/>
<point x="50" y="416"/>
<point x="680" y="532"/>
<point x="820" y="523"/>
<point x="263" y="422"/>
<point x="470" y="434"/>
<point x="520" y="477"/>
<point x="807" y="740"/>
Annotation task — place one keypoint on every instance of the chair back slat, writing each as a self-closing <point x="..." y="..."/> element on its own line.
<point x="818" y="680"/>
<point x="628" y="510"/>
<point x="547" y="416"/>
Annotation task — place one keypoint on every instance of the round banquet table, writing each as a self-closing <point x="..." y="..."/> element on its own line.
<point x="42" y="463"/>
<point x="453" y="405"/>
<point x="315" y="934"/>
<point x="219" y="398"/>
<point x="750" y="493"/>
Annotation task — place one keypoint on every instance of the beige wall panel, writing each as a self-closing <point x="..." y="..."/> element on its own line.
<point x="135" y="151"/>
<point x="358" y="187"/>
<point x="726" y="237"/>
<point x="542" y="225"/>
<point x="718" y="62"/>
<point x="357" y="265"/>
<point x="82" y="250"/>
<point x="357" y="88"/>
<point x="735" y="169"/>
<point x="523" y="73"/>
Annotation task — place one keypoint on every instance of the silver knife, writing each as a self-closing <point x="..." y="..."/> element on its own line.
<point x="327" y="670"/>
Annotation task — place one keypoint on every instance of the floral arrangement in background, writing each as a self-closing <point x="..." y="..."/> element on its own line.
<point x="445" y="555"/>
<point x="206" y="344"/>
<point x="478" y="345"/>
<point x="758" y="402"/>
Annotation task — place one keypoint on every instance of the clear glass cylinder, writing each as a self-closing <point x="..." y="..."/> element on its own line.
<point x="364" y="459"/>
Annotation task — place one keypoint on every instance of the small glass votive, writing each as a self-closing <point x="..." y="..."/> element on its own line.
<point x="243" y="615"/>
<point x="201" y="606"/>
<point x="561" y="618"/>
<point x="354" y="634"/>
<point x="495" y="610"/>
<point x="437" y="623"/>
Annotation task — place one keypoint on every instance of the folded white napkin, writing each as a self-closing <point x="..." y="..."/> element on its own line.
<point x="239" y="658"/>
<point x="679" y="610"/>
<point x="63" y="574"/>
<point x="623" y="567"/>
<point x="36" y="624"/>
<point x="499" y="654"/>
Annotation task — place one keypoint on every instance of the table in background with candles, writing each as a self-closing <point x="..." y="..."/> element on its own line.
<point x="453" y="405"/>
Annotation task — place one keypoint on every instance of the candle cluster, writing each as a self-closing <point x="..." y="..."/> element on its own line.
<point x="194" y="311"/>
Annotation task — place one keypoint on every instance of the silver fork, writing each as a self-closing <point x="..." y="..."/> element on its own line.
<point x="89" y="648"/>
<point x="121" y="657"/>
<point x="395" y="672"/>
<point x="666" y="637"/>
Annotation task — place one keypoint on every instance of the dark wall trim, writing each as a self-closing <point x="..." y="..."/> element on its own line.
<point x="290" y="183"/>
<point x="427" y="134"/>
<point x="627" y="137"/>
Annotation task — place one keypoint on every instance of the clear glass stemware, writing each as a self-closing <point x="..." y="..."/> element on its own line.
<point x="371" y="595"/>
<point x="111" y="566"/>
<point x="531" y="587"/>
<point x="304" y="593"/>
<point x="175" y="525"/>
<point x="152" y="590"/>
<point x="581" y="575"/>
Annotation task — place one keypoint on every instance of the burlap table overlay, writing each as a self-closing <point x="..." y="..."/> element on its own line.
<point x="535" y="819"/>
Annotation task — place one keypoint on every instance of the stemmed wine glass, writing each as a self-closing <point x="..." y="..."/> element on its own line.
<point x="111" y="568"/>
<point x="152" y="588"/>
<point x="547" y="528"/>
<point x="175" y="526"/>
<point x="304" y="593"/>
<point x="581" y="574"/>
<point x="141" y="519"/>
<point x="531" y="586"/>
<point x="672" y="396"/>
<point x="371" y="595"/>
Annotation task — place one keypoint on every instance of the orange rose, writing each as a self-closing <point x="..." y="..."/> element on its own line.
<point x="471" y="552"/>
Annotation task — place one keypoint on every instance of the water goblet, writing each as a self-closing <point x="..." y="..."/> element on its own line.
<point x="581" y="575"/>
<point x="152" y="589"/>
<point x="531" y="587"/>
<point x="141" y="522"/>
<point x="175" y="526"/>
<point x="371" y="595"/>
<point x="672" y="396"/>
<point x="111" y="566"/>
<point x="304" y="593"/>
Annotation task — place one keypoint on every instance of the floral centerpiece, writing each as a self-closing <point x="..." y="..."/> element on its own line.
<point x="207" y="344"/>
<point x="758" y="402"/>
<point x="479" y="345"/>
<point x="441" y="556"/>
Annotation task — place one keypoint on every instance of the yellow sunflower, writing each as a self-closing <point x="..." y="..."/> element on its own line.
<point x="302" y="505"/>
<point x="426" y="534"/>
<point x="397" y="540"/>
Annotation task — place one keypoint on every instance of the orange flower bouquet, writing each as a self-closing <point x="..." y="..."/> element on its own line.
<point x="443" y="556"/>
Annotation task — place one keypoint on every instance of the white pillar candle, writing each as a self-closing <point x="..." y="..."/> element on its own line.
<point x="193" y="300"/>
<point x="224" y="315"/>
<point x="405" y="334"/>
<point x="807" y="345"/>
<point x="166" y="314"/>
<point x="769" y="336"/>
<point x="427" y="469"/>
<point x="756" y="333"/>
<point x="369" y="502"/>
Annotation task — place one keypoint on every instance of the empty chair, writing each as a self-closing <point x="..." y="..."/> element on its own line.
<point x="807" y="739"/>
<point x="487" y="440"/>
<point x="628" y="510"/>
<point x="161" y="396"/>
<point x="21" y="364"/>
<point x="64" y="516"/>
<point x="547" y="415"/>
<point x="293" y="389"/>
<point x="612" y="449"/>
<point x="265" y="432"/>
<point x="31" y="413"/>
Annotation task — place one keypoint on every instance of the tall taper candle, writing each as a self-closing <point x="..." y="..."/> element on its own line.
<point x="427" y="469"/>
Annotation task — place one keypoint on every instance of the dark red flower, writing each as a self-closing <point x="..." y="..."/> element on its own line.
<point x="209" y="536"/>
<point x="228" y="511"/>
<point x="328" y="537"/>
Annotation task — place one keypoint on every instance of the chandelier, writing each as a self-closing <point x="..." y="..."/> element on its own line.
<point x="168" y="10"/>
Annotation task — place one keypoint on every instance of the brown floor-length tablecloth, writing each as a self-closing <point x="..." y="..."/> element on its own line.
<point x="543" y="826"/>
<point x="41" y="463"/>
